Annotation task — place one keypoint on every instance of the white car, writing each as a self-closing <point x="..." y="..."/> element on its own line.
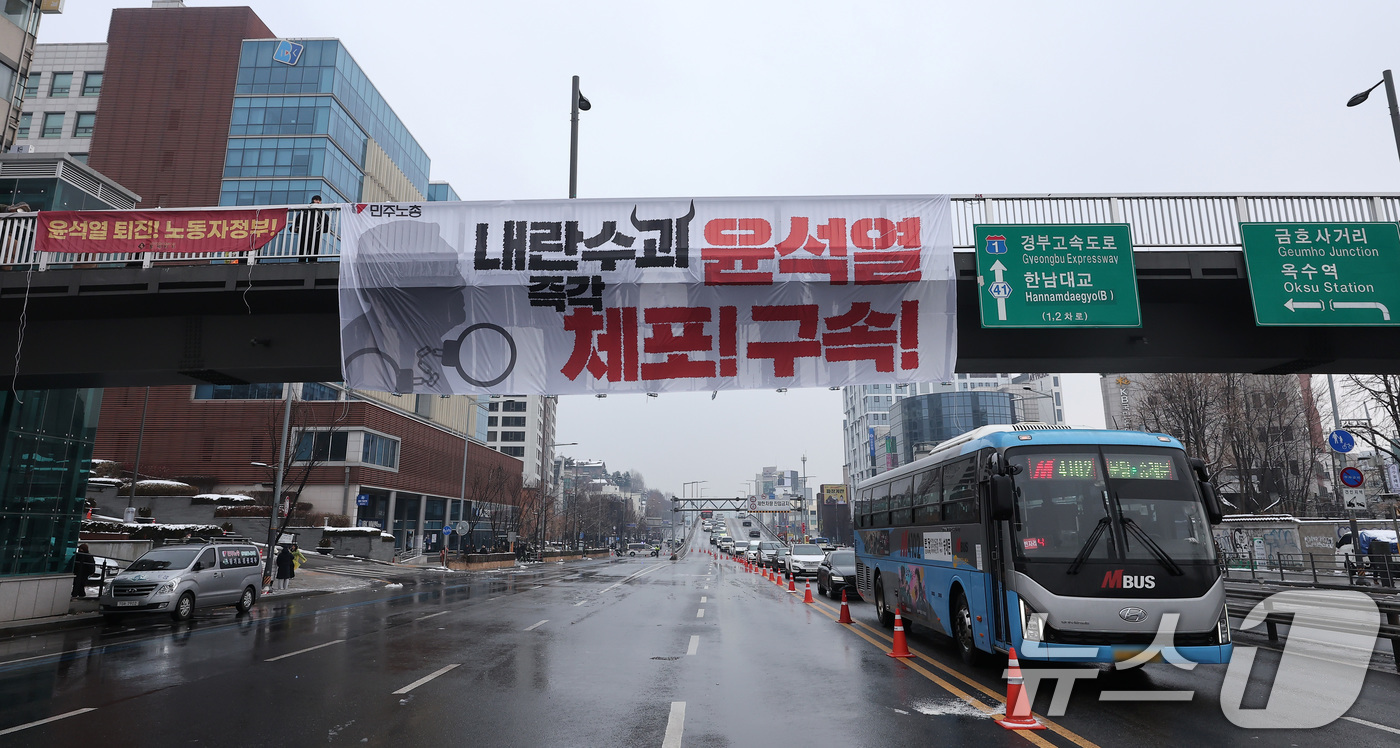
<point x="741" y="548"/>
<point x="804" y="559"/>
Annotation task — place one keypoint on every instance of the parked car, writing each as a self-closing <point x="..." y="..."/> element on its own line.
<point x="778" y="561"/>
<point x="838" y="572"/>
<point x="640" y="549"/>
<point x="178" y="579"/>
<point x="103" y="569"/>
<point x="804" y="559"/>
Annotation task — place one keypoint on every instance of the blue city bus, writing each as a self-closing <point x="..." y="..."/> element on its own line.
<point x="1070" y="545"/>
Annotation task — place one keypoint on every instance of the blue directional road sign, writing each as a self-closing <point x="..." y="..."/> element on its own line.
<point x="1341" y="441"/>
<point x="447" y="529"/>
<point x="1352" y="478"/>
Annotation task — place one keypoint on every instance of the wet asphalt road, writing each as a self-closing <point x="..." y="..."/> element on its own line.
<point x="616" y="652"/>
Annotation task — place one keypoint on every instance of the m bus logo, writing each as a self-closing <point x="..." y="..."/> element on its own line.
<point x="1117" y="580"/>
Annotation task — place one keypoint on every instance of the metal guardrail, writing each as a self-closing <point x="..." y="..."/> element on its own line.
<point x="1241" y="601"/>
<point x="17" y="234"/>
<point x="1316" y="569"/>
<point x="1158" y="222"/>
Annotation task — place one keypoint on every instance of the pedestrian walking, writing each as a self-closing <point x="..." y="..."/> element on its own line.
<point x="286" y="568"/>
<point x="83" y="567"/>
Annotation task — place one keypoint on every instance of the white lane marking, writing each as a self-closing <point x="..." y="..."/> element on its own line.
<point x="1349" y="719"/>
<point x="704" y="599"/>
<point x="303" y="651"/>
<point x="694" y="644"/>
<point x="534" y="626"/>
<point x="674" y="725"/>
<point x="700" y="613"/>
<point x="628" y="579"/>
<point x="85" y="710"/>
<point x="424" y="679"/>
<point x="580" y="602"/>
<point x="434" y="615"/>
<point x="1146" y="695"/>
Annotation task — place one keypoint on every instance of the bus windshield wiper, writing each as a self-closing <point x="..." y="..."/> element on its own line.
<point x="1088" y="546"/>
<point x="1152" y="547"/>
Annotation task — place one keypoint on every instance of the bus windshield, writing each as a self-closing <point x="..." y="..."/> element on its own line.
<point x="1118" y="503"/>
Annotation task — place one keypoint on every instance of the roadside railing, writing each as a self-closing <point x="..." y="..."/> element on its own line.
<point x="1241" y="601"/>
<point x="1315" y="569"/>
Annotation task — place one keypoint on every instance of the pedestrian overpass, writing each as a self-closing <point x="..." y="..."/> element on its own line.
<point x="272" y="315"/>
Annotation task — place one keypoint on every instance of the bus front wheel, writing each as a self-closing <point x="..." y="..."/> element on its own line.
<point x="963" y="634"/>
<point x="882" y="609"/>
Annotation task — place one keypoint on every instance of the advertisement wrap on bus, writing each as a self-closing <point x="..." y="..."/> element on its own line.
<point x="1071" y="545"/>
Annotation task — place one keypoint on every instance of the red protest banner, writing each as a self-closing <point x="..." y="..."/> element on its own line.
<point x="184" y="231"/>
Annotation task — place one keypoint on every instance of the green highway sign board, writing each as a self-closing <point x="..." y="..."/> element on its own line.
<point x="1056" y="275"/>
<point x="1326" y="273"/>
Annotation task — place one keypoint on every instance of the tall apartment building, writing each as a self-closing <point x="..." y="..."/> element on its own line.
<point x="523" y="426"/>
<point x="19" y="23"/>
<point x="868" y="414"/>
<point x="60" y="99"/>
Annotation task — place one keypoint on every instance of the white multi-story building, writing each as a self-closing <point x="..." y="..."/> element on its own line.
<point x="60" y="99"/>
<point x="867" y="410"/>
<point x="523" y="426"/>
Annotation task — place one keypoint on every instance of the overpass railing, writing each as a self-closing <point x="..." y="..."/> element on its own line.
<point x="1158" y="222"/>
<point x="17" y="233"/>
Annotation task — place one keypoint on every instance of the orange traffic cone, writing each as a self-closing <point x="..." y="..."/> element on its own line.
<point x="807" y="598"/>
<point x="901" y="647"/>
<point x="1018" y="707"/>
<point x="778" y="579"/>
<point x="791" y="587"/>
<point x="845" y="610"/>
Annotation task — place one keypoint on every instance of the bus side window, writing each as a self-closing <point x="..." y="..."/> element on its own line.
<point x="880" y="506"/>
<point x="927" y="497"/>
<point x="901" y="496"/>
<point x="863" y="508"/>
<point x="960" y="491"/>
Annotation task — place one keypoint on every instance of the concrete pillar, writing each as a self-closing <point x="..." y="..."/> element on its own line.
<point x="389" y="519"/>
<point x="422" y="516"/>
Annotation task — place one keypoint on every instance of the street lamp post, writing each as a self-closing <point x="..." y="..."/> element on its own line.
<point x="580" y="103"/>
<point x="1390" y="97"/>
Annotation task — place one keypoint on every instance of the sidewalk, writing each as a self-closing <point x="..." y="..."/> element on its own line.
<point x="83" y="611"/>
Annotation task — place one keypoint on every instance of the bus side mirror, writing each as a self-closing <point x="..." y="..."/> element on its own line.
<point x="1003" y="498"/>
<point x="1213" y="511"/>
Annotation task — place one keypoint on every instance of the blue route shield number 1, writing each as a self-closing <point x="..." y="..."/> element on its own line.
<point x="996" y="245"/>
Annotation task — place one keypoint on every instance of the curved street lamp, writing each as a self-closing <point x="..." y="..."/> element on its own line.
<point x="1390" y="97"/>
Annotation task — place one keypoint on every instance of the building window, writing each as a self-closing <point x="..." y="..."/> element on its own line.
<point x="25" y="120"/>
<point x="322" y="446"/>
<point x="490" y="436"/>
<point x="79" y="157"/>
<point x="491" y="421"/>
<point x="423" y="405"/>
<point x="92" y="84"/>
<point x="31" y="85"/>
<point x="381" y="450"/>
<point x="53" y="125"/>
<point x="492" y="407"/>
<point x="512" y="436"/>
<point x="516" y="421"/>
<point x="82" y="128"/>
<point x="60" y="84"/>
<point x="317" y="391"/>
<point x="513" y="451"/>
<point x="513" y="406"/>
<point x="238" y="392"/>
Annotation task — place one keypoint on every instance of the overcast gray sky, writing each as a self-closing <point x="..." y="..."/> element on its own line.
<point x="812" y="98"/>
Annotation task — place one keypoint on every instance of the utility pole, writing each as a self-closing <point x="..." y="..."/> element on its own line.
<point x="277" y="485"/>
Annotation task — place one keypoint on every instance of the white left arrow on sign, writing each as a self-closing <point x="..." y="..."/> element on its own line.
<point x="1294" y="306"/>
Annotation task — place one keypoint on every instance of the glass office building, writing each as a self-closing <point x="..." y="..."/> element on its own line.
<point x="441" y="192"/>
<point x="930" y="419"/>
<point x="315" y="127"/>
<point x="44" y="461"/>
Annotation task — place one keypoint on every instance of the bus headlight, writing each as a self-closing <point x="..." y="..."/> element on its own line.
<point x="1032" y="623"/>
<point x="1222" y="627"/>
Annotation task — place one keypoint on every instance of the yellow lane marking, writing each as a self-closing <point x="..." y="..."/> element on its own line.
<point x="1067" y="733"/>
<point x="945" y="685"/>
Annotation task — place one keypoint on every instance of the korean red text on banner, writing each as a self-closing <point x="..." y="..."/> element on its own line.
<point x="93" y="231"/>
<point x="561" y="297"/>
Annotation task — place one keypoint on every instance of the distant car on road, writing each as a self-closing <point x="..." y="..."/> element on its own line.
<point x="741" y="513"/>
<point x="741" y="547"/>
<point x="837" y="572"/>
<point x="755" y="534"/>
<point x="804" y="559"/>
<point x="766" y="549"/>
<point x="779" y="557"/>
<point x="748" y="523"/>
<point x="824" y="544"/>
<point x="640" y="549"/>
<point x="726" y="545"/>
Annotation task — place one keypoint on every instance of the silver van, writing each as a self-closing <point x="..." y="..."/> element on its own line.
<point x="177" y="579"/>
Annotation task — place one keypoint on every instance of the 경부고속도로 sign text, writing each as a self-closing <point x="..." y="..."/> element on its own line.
<point x="1056" y="275"/>
<point x="573" y="296"/>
